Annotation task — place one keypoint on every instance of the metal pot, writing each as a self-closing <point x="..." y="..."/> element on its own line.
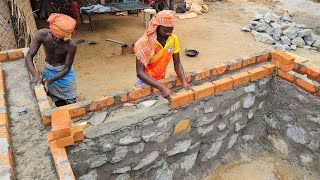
<point x="191" y="52"/>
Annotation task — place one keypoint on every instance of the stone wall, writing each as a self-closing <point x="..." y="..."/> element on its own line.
<point x="163" y="143"/>
<point x="293" y="125"/>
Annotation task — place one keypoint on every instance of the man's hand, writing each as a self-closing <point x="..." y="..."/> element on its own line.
<point x="166" y="92"/>
<point x="46" y="84"/>
<point x="36" y="80"/>
<point x="187" y="86"/>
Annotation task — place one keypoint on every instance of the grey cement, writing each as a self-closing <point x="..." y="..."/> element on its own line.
<point x="30" y="150"/>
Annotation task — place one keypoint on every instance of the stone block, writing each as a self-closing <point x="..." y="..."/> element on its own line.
<point x="147" y="160"/>
<point x="183" y="125"/>
<point x="181" y="146"/>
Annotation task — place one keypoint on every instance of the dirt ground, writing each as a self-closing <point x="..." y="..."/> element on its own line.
<point x="101" y="68"/>
<point x="262" y="166"/>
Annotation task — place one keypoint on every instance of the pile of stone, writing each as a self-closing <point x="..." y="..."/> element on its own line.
<point x="283" y="32"/>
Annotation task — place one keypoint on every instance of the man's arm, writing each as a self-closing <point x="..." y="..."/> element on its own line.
<point x="34" y="47"/>
<point x="166" y="92"/>
<point x="179" y="70"/>
<point x="68" y="64"/>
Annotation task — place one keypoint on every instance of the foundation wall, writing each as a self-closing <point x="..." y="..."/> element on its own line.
<point x="293" y="124"/>
<point x="164" y="143"/>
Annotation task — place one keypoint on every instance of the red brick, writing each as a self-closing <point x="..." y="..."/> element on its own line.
<point x="167" y="84"/>
<point x="240" y="79"/>
<point x="4" y="133"/>
<point x="223" y="84"/>
<point x="3" y="103"/>
<point x="102" y="102"/>
<point x="307" y="86"/>
<point x="4" y="120"/>
<point x="2" y="87"/>
<point x="6" y="162"/>
<point x="269" y="67"/>
<point x="46" y="121"/>
<point x="1" y="75"/>
<point x="236" y="64"/>
<point x="77" y="132"/>
<point x="248" y="61"/>
<point x="284" y="67"/>
<point x="202" y="74"/>
<point x="140" y="92"/>
<point x="40" y="92"/>
<point x="61" y="161"/>
<point x="262" y="58"/>
<point x="257" y="73"/>
<point x="3" y="56"/>
<point x="74" y="110"/>
<point x="203" y="90"/>
<point x="182" y="98"/>
<point x="65" y="141"/>
<point x="296" y="66"/>
<point x="15" y="54"/>
<point x="50" y="137"/>
<point x="123" y="98"/>
<point x="61" y="124"/>
<point x="313" y="73"/>
<point x="219" y="69"/>
<point x="43" y="105"/>
<point x="302" y="69"/>
<point x="286" y="76"/>
<point x="179" y="83"/>
<point x="283" y="57"/>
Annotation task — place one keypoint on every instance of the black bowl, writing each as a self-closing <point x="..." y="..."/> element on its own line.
<point x="191" y="52"/>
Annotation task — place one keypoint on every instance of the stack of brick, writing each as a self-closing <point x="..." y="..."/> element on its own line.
<point x="63" y="133"/>
<point x="6" y="165"/>
<point x="283" y="60"/>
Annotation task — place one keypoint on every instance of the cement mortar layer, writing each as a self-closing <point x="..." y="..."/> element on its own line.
<point x="164" y="143"/>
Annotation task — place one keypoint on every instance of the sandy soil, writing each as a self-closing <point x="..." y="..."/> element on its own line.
<point x="101" y="68"/>
<point x="262" y="167"/>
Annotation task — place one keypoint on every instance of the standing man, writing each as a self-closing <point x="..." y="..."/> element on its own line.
<point x="154" y="51"/>
<point x="58" y="75"/>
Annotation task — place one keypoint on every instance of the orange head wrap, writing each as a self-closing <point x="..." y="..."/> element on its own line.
<point x="62" y="26"/>
<point x="145" y="46"/>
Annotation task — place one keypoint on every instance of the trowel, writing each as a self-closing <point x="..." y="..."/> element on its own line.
<point x="146" y="104"/>
<point x="142" y="105"/>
